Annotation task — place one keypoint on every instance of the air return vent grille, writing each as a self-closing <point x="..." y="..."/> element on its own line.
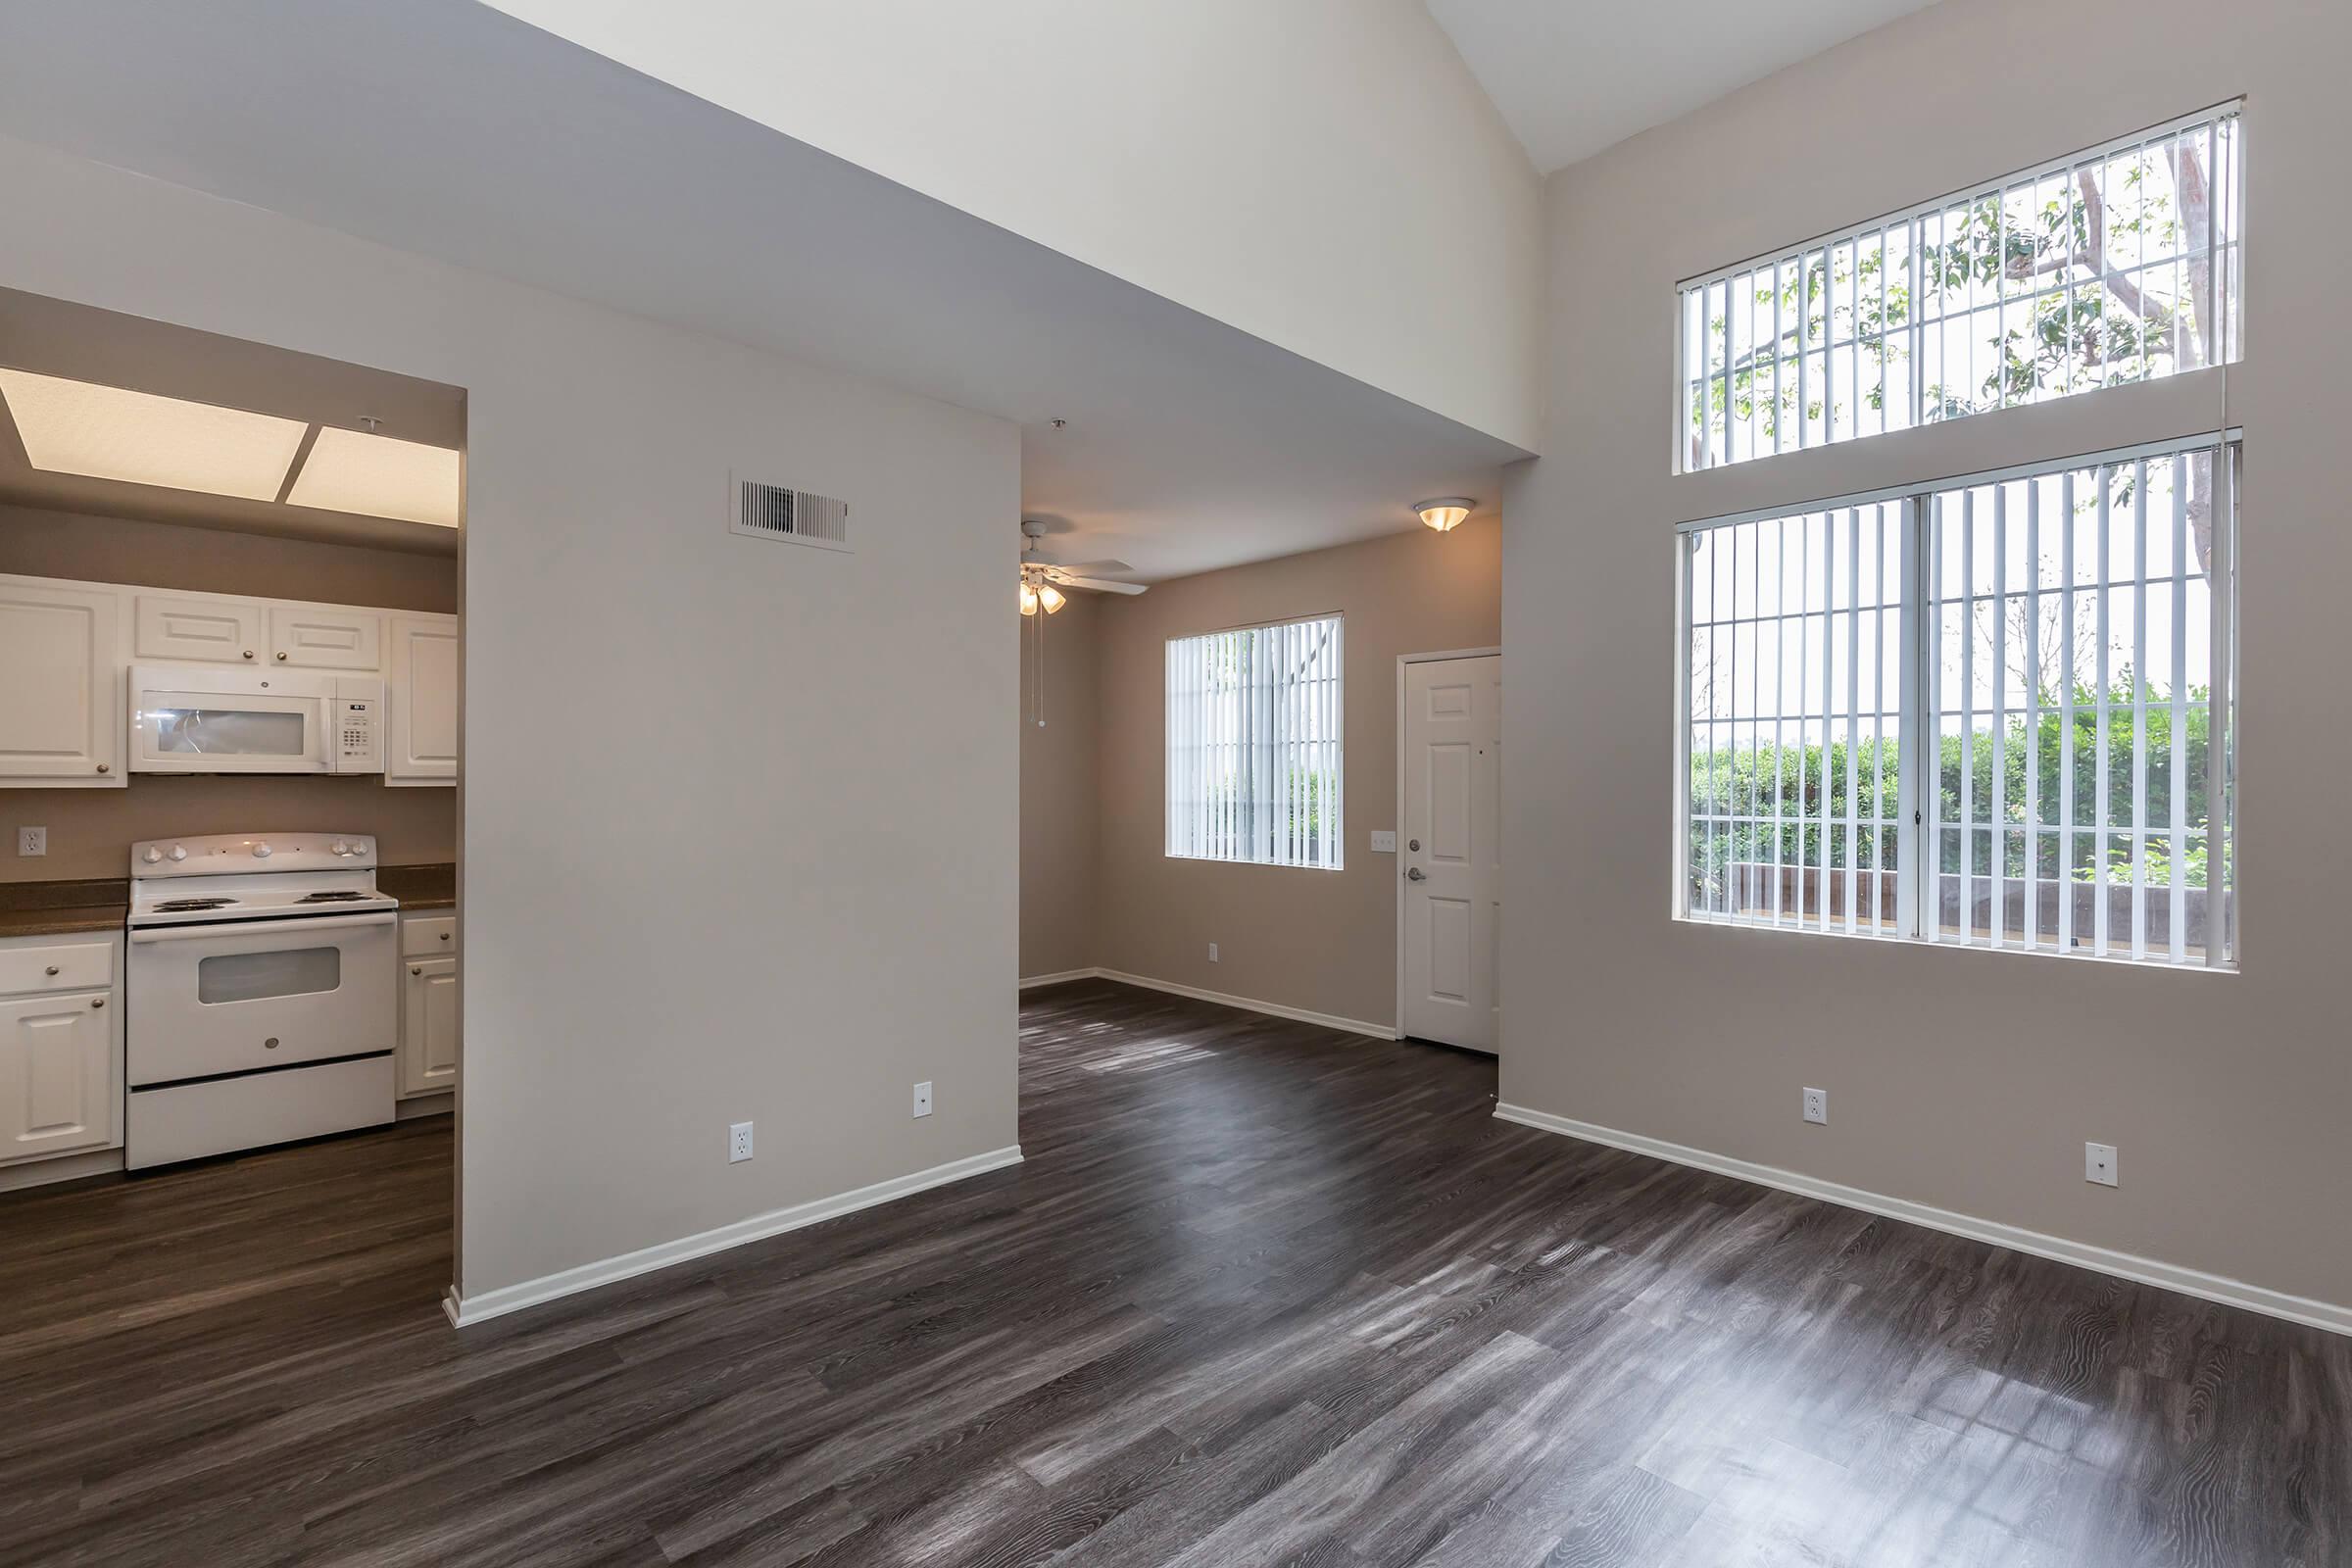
<point x="796" y="516"/>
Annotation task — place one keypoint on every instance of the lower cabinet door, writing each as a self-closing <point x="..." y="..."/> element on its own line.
<point x="429" y="1025"/>
<point x="58" y="1094"/>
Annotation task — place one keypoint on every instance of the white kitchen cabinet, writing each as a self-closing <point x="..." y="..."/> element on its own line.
<point x="428" y="1027"/>
<point x="211" y="629"/>
<point x="323" y="637"/>
<point x="428" y="1003"/>
<point x="421" y="737"/>
<point x="60" y="703"/>
<point x="61" y="1052"/>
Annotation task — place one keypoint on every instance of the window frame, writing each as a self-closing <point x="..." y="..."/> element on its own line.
<point x="2228" y="191"/>
<point x="1336" y="837"/>
<point x="1918" y="646"/>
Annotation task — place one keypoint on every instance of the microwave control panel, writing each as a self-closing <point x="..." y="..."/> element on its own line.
<point x="356" y="731"/>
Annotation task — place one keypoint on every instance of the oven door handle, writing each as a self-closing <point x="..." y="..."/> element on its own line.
<point x="234" y="929"/>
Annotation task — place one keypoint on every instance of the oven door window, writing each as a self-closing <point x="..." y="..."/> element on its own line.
<point x="258" y="976"/>
<point x="227" y="732"/>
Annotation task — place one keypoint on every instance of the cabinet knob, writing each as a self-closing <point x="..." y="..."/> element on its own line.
<point x="445" y="936"/>
<point x="103" y="768"/>
<point x="415" y="968"/>
<point x="52" y="968"/>
<point x="248" y="653"/>
<point x="282" y="656"/>
<point x="97" y="1002"/>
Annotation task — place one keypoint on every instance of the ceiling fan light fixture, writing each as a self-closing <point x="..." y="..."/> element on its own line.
<point x="1028" y="597"/>
<point x="1446" y="513"/>
<point x="1052" y="598"/>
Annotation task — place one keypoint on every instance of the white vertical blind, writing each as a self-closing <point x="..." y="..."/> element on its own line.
<point x="2118" y="263"/>
<point x="1253" y="745"/>
<point x="1997" y="711"/>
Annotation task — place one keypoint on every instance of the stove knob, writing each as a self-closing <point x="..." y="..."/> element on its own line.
<point x="151" y="855"/>
<point x="261" y="852"/>
<point x="341" y="848"/>
<point x="179" y="851"/>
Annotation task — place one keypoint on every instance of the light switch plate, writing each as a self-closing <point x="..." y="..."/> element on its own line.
<point x="33" y="841"/>
<point x="1384" y="842"/>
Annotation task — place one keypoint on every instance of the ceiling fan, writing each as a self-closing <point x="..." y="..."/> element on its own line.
<point x="1041" y="581"/>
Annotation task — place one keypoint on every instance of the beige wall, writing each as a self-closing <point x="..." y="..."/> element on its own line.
<point x="1060" y="853"/>
<point x="219" y="560"/>
<point x="733" y="820"/>
<point x="90" y="831"/>
<point x="1323" y="940"/>
<point x="1965" y="1080"/>
<point x="1324" y="174"/>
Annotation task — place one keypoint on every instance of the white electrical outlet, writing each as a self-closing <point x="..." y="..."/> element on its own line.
<point x="33" y="841"/>
<point x="923" y="1098"/>
<point x="1384" y="841"/>
<point x="1817" y="1106"/>
<point x="1213" y="953"/>
<point x="739" y="1143"/>
<point x="2098" y="1163"/>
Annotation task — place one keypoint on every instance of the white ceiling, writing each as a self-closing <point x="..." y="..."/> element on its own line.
<point x="1574" y="77"/>
<point x="445" y="128"/>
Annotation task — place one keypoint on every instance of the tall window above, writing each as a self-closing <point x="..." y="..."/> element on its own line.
<point x="1253" y="745"/>
<point x="2117" y="264"/>
<point x="1997" y="713"/>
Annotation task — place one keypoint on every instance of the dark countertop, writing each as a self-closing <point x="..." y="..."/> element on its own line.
<point x="419" y="887"/>
<point x="56" y="908"/>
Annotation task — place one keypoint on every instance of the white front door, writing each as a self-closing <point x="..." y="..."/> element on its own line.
<point x="1452" y="857"/>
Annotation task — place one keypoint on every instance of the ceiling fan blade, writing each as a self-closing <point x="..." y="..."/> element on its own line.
<point x="1082" y="567"/>
<point x="1099" y="585"/>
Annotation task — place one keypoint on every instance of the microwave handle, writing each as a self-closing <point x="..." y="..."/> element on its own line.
<point x="227" y="928"/>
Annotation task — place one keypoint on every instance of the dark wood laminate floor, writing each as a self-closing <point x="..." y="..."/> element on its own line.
<point x="1262" y="1293"/>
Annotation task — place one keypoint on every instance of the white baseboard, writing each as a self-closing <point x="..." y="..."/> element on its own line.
<point x="1352" y="1026"/>
<point x="1030" y="982"/>
<point x="2104" y="1260"/>
<point x="467" y="1310"/>
<point x="60" y="1168"/>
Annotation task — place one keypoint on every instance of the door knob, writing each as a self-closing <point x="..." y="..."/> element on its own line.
<point x="1415" y="874"/>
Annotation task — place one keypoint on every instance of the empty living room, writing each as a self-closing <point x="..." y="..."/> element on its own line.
<point x="762" y="811"/>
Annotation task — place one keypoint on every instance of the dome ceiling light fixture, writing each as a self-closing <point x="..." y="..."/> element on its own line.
<point x="1446" y="513"/>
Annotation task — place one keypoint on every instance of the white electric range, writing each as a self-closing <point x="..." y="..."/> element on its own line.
<point x="261" y="995"/>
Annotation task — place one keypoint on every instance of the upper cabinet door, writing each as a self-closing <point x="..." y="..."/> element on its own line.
<point x="220" y="631"/>
<point x="422" y="738"/>
<point x="313" y="637"/>
<point x="61" y="699"/>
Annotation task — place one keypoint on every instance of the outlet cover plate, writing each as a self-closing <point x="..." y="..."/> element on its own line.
<point x="1817" y="1106"/>
<point x="2098" y="1163"/>
<point x="739" y="1143"/>
<point x="33" y="841"/>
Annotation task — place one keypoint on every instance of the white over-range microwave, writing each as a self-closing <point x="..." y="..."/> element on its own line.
<point x="192" y="720"/>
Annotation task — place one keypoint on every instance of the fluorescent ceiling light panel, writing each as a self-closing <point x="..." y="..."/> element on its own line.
<point x="380" y="476"/>
<point x="107" y="432"/>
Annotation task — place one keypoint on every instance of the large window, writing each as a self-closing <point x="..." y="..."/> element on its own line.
<point x="2117" y="264"/>
<point x="1253" y="745"/>
<point x="1994" y="713"/>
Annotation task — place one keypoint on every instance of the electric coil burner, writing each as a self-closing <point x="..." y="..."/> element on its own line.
<point x="261" y="997"/>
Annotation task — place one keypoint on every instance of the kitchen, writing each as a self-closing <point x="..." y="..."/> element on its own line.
<point x="229" y="661"/>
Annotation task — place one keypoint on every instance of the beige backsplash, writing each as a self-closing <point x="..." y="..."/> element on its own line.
<point x="91" y="831"/>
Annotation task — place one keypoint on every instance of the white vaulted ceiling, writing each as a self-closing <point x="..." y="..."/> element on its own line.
<point x="1572" y="77"/>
